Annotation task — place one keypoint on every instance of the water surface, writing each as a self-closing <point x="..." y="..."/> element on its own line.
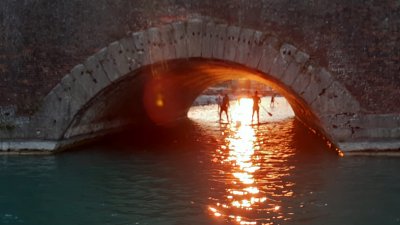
<point x="203" y="172"/>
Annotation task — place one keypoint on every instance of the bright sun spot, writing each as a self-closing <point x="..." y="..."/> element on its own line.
<point x="242" y="110"/>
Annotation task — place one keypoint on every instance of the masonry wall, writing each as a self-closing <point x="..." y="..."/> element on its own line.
<point x="358" y="41"/>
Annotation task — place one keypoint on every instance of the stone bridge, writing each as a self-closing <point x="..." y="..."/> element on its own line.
<point x="75" y="71"/>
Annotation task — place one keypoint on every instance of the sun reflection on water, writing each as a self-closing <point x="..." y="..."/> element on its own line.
<point x="253" y="174"/>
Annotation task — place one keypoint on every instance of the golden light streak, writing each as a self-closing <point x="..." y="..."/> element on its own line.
<point x="246" y="191"/>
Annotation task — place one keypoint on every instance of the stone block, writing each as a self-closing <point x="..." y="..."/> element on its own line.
<point x="131" y="53"/>
<point x="319" y="82"/>
<point x="291" y="73"/>
<point x="322" y="78"/>
<point x="322" y="105"/>
<point x="208" y="39"/>
<point x="220" y="38"/>
<point x="90" y="82"/>
<point x="379" y="133"/>
<point x="335" y="100"/>
<point x="340" y="134"/>
<point x="279" y="66"/>
<point x="140" y="40"/>
<point x="302" y="81"/>
<point x="288" y="51"/>
<point x="338" y="120"/>
<point x="256" y="50"/>
<point x="194" y="36"/>
<point x="310" y="95"/>
<point x="81" y="84"/>
<point x="154" y="45"/>
<point x="73" y="91"/>
<point x="180" y="40"/>
<point x="282" y="61"/>
<point x="167" y="40"/>
<point x="116" y="57"/>
<point x="244" y="46"/>
<point x="344" y="101"/>
<point x="98" y="76"/>
<point x="231" y="42"/>
<point x="53" y="116"/>
<point x="108" y="66"/>
<point x="267" y="59"/>
<point x="301" y="57"/>
<point x="383" y="121"/>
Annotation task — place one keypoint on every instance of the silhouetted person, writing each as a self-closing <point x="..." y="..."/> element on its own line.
<point x="224" y="107"/>
<point x="272" y="103"/>
<point x="256" y="107"/>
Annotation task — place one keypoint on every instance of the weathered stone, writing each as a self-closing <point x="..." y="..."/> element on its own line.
<point x="116" y="57"/>
<point x="331" y="102"/>
<point x="96" y="72"/>
<point x="376" y="133"/>
<point x="154" y="45"/>
<point x="219" y="44"/>
<point x="79" y="83"/>
<point x="53" y="115"/>
<point x="338" y="120"/>
<point x="167" y="40"/>
<point x="256" y="50"/>
<point x="291" y="73"/>
<point x="140" y="40"/>
<point x="92" y="79"/>
<point x="271" y="40"/>
<point x="340" y="134"/>
<point x="382" y="121"/>
<point x="131" y="53"/>
<point x="107" y="65"/>
<point x="73" y="91"/>
<point x="180" y="40"/>
<point x="319" y="82"/>
<point x="208" y="40"/>
<point x="279" y="66"/>
<point x="288" y="51"/>
<point x="302" y="81"/>
<point x="282" y="60"/>
<point x="244" y="45"/>
<point x="267" y="59"/>
<point x="301" y="57"/>
<point x="194" y="37"/>
<point x="231" y="42"/>
<point x="323" y="78"/>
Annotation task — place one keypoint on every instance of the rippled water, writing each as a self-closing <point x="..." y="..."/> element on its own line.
<point x="201" y="172"/>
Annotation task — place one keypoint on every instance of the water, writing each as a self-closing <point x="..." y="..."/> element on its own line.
<point x="203" y="173"/>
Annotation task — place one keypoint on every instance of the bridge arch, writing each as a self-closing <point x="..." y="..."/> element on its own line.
<point x="72" y="110"/>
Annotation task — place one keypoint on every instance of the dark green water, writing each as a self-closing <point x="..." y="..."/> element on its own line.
<point x="202" y="173"/>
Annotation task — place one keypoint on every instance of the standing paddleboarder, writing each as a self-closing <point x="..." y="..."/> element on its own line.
<point x="224" y="107"/>
<point x="256" y="107"/>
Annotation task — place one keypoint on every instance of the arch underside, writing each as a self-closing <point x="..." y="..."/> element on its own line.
<point x="120" y="85"/>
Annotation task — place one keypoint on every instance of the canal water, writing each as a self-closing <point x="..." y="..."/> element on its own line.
<point x="203" y="172"/>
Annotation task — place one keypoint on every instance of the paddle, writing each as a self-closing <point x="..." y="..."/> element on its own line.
<point x="270" y="114"/>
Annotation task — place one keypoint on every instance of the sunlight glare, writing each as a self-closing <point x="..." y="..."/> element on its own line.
<point x="242" y="110"/>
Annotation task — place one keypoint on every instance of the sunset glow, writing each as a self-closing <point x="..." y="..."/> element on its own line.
<point x="242" y="110"/>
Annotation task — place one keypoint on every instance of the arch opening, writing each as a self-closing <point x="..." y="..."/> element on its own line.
<point x="160" y="94"/>
<point x="242" y="93"/>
